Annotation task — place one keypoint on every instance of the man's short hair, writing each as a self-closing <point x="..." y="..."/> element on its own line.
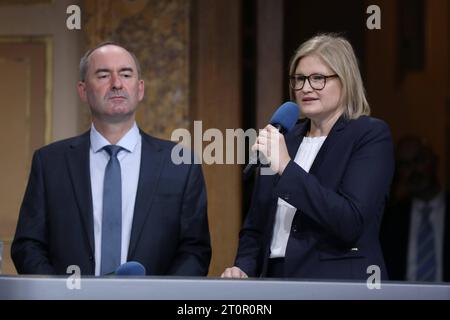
<point x="85" y="59"/>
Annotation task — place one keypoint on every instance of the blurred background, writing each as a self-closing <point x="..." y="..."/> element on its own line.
<point x="224" y="62"/>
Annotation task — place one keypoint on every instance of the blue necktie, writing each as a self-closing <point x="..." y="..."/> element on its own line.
<point x="426" y="248"/>
<point x="112" y="213"/>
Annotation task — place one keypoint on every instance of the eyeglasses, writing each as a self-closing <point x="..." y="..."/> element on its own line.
<point x="316" y="81"/>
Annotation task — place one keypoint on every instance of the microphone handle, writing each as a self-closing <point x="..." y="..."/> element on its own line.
<point x="279" y="128"/>
<point x="254" y="159"/>
<point x="251" y="165"/>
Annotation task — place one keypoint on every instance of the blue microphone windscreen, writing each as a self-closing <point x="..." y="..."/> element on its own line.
<point x="131" y="268"/>
<point x="286" y="115"/>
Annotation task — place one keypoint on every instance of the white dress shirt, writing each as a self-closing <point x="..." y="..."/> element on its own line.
<point x="437" y="216"/>
<point x="305" y="156"/>
<point x="130" y="160"/>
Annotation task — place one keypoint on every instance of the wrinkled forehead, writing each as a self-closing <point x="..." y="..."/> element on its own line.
<point x="111" y="57"/>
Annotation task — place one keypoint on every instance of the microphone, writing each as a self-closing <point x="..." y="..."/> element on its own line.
<point x="130" y="268"/>
<point x="284" y="120"/>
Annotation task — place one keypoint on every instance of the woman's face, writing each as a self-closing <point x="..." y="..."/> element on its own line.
<point x="318" y="105"/>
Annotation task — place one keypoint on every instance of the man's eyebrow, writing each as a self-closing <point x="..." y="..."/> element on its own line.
<point x="102" y="70"/>
<point x="126" y="69"/>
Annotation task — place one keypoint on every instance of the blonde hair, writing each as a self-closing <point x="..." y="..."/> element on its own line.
<point x="338" y="54"/>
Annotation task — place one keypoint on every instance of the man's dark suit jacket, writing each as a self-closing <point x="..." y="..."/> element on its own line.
<point x="340" y="202"/>
<point x="169" y="236"/>
<point x="395" y="240"/>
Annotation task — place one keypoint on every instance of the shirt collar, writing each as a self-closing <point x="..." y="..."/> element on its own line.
<point x="128" y="141"/>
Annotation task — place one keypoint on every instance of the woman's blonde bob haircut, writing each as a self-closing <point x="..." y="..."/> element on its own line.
<point x="336" y="52"/>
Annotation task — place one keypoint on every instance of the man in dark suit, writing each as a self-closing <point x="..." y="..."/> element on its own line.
<point x="416" y="188"/>
<point x="112" y="194"/>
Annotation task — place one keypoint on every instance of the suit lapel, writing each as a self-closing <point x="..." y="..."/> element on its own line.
<point x="78" y="163"/>
<point x="293" y="141"/>
<point x="329" y="141"/>
<point x="150" y="170"/>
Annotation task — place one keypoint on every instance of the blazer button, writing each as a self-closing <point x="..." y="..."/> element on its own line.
<point x="294" y="228"/>
<point x="286" y="197"/>
<point x="91" y="258"/>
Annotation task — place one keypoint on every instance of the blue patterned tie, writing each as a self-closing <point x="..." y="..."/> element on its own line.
<point x="426" y="248"/>
<point x="112" y="213"/>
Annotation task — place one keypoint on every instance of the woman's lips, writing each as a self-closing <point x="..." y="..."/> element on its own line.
<point x="309" y="99"/>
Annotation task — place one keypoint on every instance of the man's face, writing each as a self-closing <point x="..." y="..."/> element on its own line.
<point x="111" y="88"/>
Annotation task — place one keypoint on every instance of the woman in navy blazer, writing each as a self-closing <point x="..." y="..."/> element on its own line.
<point x="319" y="215"/>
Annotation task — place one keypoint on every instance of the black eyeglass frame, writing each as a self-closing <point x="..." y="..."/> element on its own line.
<point x="293" y="78"/>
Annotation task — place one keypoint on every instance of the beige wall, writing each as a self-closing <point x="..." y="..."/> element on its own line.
<point x="13" y="164"/>
<point x="50" y="19"/>
<point x="36" y="45"/>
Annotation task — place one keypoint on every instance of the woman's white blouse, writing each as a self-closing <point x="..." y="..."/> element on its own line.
<point x="306" y="153"/>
